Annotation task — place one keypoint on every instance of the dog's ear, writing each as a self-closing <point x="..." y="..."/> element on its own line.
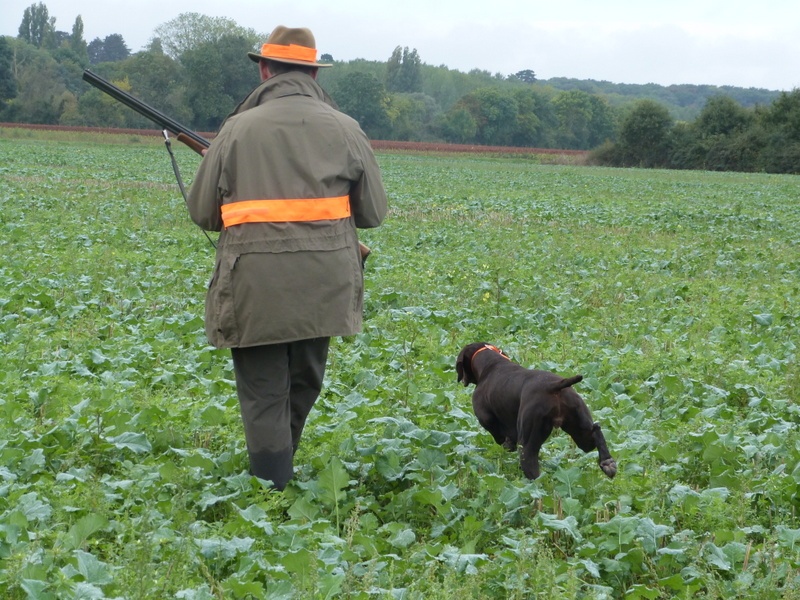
<point x="463" y="368"/>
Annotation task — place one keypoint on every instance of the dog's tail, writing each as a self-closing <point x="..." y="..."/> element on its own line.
<point x="566" y="382"/>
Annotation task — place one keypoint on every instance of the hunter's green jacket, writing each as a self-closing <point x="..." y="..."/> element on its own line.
<point x="282" y="281"/>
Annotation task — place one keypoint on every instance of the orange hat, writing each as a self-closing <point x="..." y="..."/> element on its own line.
<point x="295" y="46"/>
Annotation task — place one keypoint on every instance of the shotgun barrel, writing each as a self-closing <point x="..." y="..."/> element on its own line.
<point x="184" y="134"/>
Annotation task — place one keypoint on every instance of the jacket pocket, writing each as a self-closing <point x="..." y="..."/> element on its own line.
<point x="220" y="314"/>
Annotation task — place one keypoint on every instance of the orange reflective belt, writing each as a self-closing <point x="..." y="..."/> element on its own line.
<point x="282" y="211"/>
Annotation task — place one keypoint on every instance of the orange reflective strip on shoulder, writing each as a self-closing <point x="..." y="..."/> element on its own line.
<point x="283" y="211"/>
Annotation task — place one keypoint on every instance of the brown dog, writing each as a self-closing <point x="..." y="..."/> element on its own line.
<point x="520" y="407"/>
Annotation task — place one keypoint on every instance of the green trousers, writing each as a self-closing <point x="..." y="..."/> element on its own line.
<point x="277" y="385"/>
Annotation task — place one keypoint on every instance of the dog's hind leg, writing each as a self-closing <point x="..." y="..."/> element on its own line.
<point x="588" y="436"/>
<point x="608" y="464"/>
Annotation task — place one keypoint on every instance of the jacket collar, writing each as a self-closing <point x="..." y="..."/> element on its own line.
<point x="293" y="83"/>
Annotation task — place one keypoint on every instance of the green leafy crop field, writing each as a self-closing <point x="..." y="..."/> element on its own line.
<point x="123" y="472"/>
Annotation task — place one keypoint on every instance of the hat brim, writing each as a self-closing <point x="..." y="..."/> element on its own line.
<point x="255" y="57"/>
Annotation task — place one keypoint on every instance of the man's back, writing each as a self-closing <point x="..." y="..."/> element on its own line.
<point x="290" y="152"/>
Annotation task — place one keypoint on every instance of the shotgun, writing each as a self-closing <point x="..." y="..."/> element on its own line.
<point x="183" y="134"/>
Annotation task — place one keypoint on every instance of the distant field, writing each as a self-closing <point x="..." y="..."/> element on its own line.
<point x="549" y="155"/>
<point x="675" y="294"/>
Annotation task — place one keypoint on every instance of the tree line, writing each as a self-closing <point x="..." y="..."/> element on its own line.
<point x="724" y="137"/>
<point x="195" y="69"/>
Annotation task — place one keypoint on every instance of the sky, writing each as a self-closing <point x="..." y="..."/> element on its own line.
<point x="738" y="43"/>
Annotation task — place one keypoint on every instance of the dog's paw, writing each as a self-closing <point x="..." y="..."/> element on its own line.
<point x="609" y="467"/>
<point x="510" y="444"/>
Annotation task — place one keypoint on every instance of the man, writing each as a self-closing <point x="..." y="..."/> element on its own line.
<point x="287" y="181"/>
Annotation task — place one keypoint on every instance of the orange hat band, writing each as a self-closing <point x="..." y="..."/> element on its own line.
<point x="292" y="51"/>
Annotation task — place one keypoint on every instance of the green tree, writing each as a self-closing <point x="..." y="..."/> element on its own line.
<point x="722" y="115"/>
<point x="403" y="71"/>
<point x="218" y="76"/>
<point x="603" y="124"/>
<point x="114" y="48"/>
<point x="781" y="122"/>
<point x="95" y="51"/>
<point x="644" y="138"/>
<point x="686" y="151"/>
<point x="97" y="109"/>
<point x="459" y="126"/>
<point x="716" y="141"/>
<point x="158" y="80"/>
<point x="40" y="92"/>
<point x="363" y="97"/>
<point x="110" y="49"/>
<point x="77" y="43"/>
<point x="188" y="31"/>
<point x="584" y="120"/>
<point x="8" y="84"/>
<point x="784" y="114"/>
<point x="448" y="86"/>
<point x="574" y="111"/>
<point x="495" y="113"/>
<point x="38" y="28"/>
<point x="412" y="116"/>
<point x="536" y="118"/>
<point x="525" y="76"/>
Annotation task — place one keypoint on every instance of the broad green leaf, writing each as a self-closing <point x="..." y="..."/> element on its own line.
<point x="213" y="414"/>
<point x="33" y="508"/>
<point x="619" y="532"/>
<point x="253" y="513"/>
<point x="389" y="466"/>
<point x="568" y="525"/>
<point x="591" y="567"/>
<point x="209" y="498"/>
<point x="300" y="562"/>
<point x="280" y="590"/>
<point x="403" y="538"/>
<point x="736" y="552"/>
<point x="463" y="562"/>
<point x="674" y="582"/>
<point x="330" y="585"/>
<point x="642" y="591"/>
<point x="650" y="534"/>
<point x="36" y="589"/>
<point x="82" y="530"/>
<point x="429" y="497"/>
<point x="332" y="481"/>
<point x="569" y="479"/>
<point x="93" y="571"/>
<point x="764" y="319"/>
<point x="201" y="593"/>
<point x="136" y="442"/>
<point x="717" y="557"/>
<point x="245" y="589"/>
<point x="303" y="509"/>
<point x="33" y="462"/>
<point x="789" y="538"/>
<point x="226" y="549"/>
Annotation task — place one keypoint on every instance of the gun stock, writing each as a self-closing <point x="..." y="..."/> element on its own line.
<point x="183" y="134"/>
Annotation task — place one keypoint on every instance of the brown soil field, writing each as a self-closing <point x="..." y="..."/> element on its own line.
<point x="554" y="154"/>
